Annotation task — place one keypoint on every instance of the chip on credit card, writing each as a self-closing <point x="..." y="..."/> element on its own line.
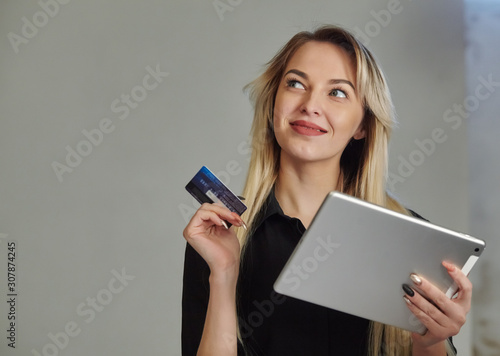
<point x="205" y="187"/>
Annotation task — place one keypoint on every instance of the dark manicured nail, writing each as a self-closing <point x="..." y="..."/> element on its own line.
<point x="408" y="290"/>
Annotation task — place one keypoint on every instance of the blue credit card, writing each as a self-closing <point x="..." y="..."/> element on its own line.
<point x="207" y="188"/>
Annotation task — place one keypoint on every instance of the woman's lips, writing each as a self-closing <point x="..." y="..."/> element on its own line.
<point x="307" y="128"/>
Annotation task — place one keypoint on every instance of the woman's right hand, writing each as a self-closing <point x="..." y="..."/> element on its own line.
<point x="207" y="233"/>
<point x="220" y="248"/>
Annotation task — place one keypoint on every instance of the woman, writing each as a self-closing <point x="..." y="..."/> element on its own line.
<point x="323" y="116"/>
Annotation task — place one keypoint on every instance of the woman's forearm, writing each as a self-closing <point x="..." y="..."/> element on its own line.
<point x="220" y="330"/>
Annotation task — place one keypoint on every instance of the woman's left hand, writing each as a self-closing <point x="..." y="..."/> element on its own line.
<point x="446" y="316"/>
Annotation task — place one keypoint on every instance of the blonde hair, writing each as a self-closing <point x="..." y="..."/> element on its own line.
<point x="363" y="162"/>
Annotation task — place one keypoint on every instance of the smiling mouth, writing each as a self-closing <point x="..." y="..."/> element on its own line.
<point x="311" y="127"/>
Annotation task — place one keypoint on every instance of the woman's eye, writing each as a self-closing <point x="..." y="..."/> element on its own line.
<point x="294" y="84"/>
<point x="338" y="93"/>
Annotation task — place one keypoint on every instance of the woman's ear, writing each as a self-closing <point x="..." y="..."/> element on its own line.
<point x="360" y="132"/>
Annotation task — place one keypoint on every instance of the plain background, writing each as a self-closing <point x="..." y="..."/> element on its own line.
<point x="482" y="59"/>
<point x="123" y="207"/>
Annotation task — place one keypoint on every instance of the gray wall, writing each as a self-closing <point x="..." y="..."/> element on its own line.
<point x="482" y="59"/>
<point x="85" y="69"/>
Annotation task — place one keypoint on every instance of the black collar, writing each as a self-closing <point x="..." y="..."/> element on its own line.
<point x="269" y="208"/>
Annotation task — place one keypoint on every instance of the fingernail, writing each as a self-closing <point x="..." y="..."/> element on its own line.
<point x="408" y="290"/>
<point x="244" y="225"/>
<point x="416" y="279"/>
<point x="224" y="224"/>
<point x="407" y="300"/>
<point x="450" y="267"/>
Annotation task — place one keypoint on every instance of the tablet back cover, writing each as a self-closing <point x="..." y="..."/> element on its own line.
<point x="355" y="256"/>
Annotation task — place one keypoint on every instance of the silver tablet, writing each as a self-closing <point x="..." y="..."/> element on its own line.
<point x="355" y="256"/>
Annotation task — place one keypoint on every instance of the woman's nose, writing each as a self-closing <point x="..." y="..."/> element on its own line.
<point x="311" y="104"/>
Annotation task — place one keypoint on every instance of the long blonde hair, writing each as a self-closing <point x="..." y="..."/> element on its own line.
<point x="363" y="162"/>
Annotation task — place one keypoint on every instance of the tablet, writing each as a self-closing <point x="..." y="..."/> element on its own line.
<point x="355" y="256"/>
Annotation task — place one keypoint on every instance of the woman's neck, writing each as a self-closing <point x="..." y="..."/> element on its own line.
<point x="301" y="187"/>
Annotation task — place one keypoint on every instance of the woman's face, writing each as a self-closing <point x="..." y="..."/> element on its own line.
<point x="317" y="110"/>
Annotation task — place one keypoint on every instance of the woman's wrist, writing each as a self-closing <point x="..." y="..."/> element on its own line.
<point x="438" y="349"/>
<point x="225" y="278"/>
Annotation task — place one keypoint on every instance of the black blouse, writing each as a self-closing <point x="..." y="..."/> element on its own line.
<point x="270" y="323"/>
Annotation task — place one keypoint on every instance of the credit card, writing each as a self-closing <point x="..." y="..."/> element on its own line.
<point x="207" y="188"/>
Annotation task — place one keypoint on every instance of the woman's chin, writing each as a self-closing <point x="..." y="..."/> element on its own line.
<point x="306" y="157"/>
